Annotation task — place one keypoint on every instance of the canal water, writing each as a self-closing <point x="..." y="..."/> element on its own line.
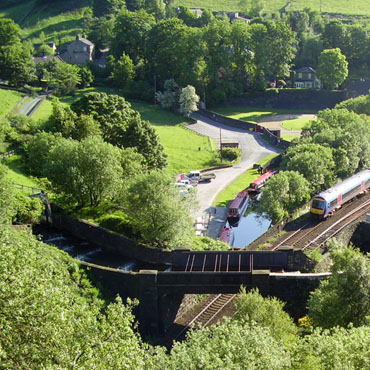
<point x="250" y="227"/>
<point x="85" y="251"/>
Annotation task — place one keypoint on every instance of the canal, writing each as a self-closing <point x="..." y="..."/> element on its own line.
<point x="250" y="227"/>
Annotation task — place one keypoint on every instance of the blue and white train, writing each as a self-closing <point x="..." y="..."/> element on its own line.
<point x="329" y="200"/>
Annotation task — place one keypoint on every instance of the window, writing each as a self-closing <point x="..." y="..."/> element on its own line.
<point x="309" y="76"/>
<point x="318" y="204"/>
<point x="299" y="75"/>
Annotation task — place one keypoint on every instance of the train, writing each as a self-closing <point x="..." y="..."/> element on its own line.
<point x="328" y="201"/>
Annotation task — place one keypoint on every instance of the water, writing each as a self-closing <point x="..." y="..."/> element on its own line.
<point x="249" y="228"/>
<point x="85" y="251"/>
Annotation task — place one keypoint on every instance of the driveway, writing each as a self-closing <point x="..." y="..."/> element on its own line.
<point x="254" y="148"/>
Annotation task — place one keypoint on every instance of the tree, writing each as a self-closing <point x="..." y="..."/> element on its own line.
<point x="315" y="162"/>
<point x="332" y="68"/>
<point x="122" y="126"/>
<point x="344" y="298"/>
<point x="334" y="349"/>
<point x="16" y="63"/>
<point x="229" y="345"/>
<point x="9" y="32"/>
<point x="65" y="79"/>
<point x="38" y="149"/>
<point x="188" y="101"/>
<point x="168" y="98"/>
<point x="346" y="133"/>
<point x="123" y="71"/>
<point x="284" y="193"/>
<point x="87" y="172"/>
<point x="158" y="212"/>
<point x="53" y="314"/>
<point x="130" y="32"/>
<point x="253" y="309"/>
<point x="86" y="77"/>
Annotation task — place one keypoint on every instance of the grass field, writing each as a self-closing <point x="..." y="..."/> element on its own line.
<point x="296" y="124"/>
<point x="251" y="114"/>
<point x="17" y="174"/>
<point x="240" y="183"/>
<point x="60" y="23"/>
<point x="345" y="7"/>
<point x="8" y="101"/>
<point x="186" y="150"/>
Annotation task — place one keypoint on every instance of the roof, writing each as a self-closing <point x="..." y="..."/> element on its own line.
<point x="85" y="41"/>
<point x="47" y="58"/>
<point x="264" y="177"/>
<point x="348" y="184"/>
<point x="238" y="200"/>
<point x="305" y="70"/>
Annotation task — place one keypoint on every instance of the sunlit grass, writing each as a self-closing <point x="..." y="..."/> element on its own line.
<point x="240" y="183"/>
<point x="17" y="173"/>
<point x="8" y="101"/>
<point x="296" y="124"/>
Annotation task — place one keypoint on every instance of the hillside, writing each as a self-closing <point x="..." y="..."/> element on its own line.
<point x="59" y="23"/>
<point x="335" y="7"/>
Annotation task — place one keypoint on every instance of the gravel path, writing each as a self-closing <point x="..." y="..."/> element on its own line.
<point x="254" y="148"/>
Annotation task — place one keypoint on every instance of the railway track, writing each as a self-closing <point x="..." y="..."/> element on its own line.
<point x="207" y="314"/>
<point x="313" y="234"/>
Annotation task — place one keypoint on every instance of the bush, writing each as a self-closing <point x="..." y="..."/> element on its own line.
<point x="118" y="223"/>
<point x="231" y="154"/>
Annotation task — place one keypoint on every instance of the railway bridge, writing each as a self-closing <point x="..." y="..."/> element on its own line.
<point x="274" y="273"/>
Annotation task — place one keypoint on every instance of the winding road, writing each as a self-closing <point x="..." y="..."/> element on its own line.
<point x="254" y="148"/>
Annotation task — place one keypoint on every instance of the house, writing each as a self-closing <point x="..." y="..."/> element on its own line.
<point x="305" y="78"/>
<point x="233" y="16"/>
<point x="78" y="51"/>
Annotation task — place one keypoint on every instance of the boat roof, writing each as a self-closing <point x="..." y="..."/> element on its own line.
<point x="263" y="177"/>
<point x="238" y="199"/>
<point x="346" y="185"/>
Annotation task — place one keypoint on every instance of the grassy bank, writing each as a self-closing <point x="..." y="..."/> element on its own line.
<point x="8" y="100"/>
<point x="240" y="183"/>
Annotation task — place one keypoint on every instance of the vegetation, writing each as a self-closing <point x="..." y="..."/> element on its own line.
<point x="8" y="100"/>
<point x="343" y="299"/>
<point x="295" y="124"/>
<point x="240" y="183"/>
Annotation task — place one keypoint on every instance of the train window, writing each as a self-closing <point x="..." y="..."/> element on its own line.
<point x="318" y="204"/>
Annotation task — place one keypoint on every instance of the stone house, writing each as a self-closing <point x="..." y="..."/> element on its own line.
<point x="305" y="78"/>
<point x="78" y="51"/>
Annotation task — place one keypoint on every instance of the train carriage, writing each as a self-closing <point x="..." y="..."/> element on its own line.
<point x="329" y="200"/>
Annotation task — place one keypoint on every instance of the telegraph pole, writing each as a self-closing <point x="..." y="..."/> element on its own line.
<point x="220" y="146"/>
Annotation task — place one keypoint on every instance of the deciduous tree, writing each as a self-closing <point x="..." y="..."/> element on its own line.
<point x="344" y="298"/>
<point x="158" y="211"/>
<point x="332" y="68"/>
<point x="284" y="193"/>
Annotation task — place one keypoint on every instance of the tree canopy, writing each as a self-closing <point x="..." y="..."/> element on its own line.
<point x="344" y="298"/>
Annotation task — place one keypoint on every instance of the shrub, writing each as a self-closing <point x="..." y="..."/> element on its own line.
<point x="231" y="154"/>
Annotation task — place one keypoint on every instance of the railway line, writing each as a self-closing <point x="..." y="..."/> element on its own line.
<point x="313" y="235"/>
<point x="206" y="315"/>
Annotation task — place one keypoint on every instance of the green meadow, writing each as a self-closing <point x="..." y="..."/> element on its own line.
<point x="60" y="22"/>
<point x="345" y="7"/>
<point x="8" y="100"/>
<point x="296" y="124"/>
<point x="17" y="173"/>
<point x="185" y="149"/>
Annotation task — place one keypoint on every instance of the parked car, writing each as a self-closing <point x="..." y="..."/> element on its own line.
<point x="201" y="176"/>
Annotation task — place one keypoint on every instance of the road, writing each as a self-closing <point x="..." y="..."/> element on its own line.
<point x="27" y="109"/>
<point x="254" y="148"/>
